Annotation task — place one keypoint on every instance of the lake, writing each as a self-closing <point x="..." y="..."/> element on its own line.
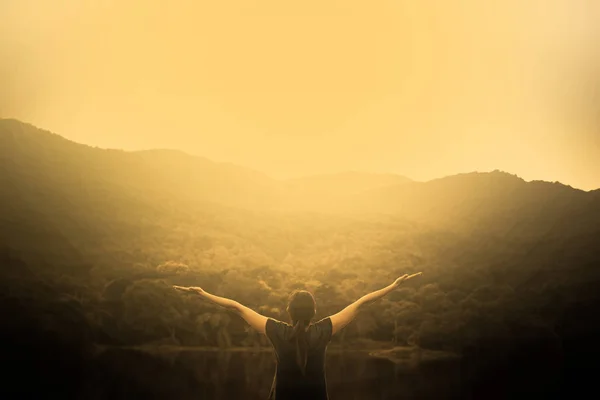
<point x="194" y="374"/>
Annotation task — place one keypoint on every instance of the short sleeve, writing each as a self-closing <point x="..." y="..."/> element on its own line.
<point x="275" y="331"/>
<point x="323" y="330"/>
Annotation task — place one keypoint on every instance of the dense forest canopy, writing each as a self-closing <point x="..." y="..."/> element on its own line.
<point x="91" y="241"/>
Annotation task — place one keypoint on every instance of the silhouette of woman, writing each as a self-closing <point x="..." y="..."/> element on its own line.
<point x="299" y="347"/>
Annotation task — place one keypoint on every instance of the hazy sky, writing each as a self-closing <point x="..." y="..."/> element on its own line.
<point x="422" y="88"/>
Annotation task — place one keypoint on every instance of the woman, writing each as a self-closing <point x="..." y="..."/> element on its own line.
<point x="299" y="347"/>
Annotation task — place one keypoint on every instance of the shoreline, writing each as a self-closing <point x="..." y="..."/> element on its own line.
<point x="396" y="354"/>
<point x="236" y="349"/>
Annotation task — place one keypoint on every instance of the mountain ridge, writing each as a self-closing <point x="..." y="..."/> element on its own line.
<point x="323" y="177"/>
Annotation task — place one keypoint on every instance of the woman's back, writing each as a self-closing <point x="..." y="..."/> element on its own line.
<point x="290" y="382"/>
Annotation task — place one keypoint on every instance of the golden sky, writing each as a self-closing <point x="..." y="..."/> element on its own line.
<point x="421" y="88"/>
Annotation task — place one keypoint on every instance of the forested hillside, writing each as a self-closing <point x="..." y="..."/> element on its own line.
<point x="92" y="239"/>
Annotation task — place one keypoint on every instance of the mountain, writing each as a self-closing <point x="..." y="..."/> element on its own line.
<point x="145" y="173"/>
<point x="58" y="196"/>
<point x="495" y="202"/>
<point x="33" y="157"/>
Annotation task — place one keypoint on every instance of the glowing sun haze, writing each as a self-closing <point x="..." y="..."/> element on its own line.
<point x="421" y="88"/>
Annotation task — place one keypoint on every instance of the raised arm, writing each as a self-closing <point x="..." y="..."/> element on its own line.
<point x="344" y="317"/>
<point x="254" y="319"/>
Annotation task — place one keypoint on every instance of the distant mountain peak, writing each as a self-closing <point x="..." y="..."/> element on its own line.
<point x="479" y="175"/>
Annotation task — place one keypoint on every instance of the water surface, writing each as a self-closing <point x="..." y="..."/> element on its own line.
<point x="170" y="374"/>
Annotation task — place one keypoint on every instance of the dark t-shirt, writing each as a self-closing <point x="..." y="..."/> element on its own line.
<point x="289" y="383"/>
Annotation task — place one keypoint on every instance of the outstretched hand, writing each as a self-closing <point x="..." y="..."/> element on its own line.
<point x="405" y="277"/>
<point x="190" y="289"/>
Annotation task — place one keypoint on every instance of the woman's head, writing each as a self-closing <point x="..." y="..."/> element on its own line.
<point x="301" y="306"/>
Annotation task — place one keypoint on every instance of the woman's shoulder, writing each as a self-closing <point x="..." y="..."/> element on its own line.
<point x="275" y="325"/>
<point x="277" y="331"/>
<point x="323" y="322"/>
<point x="322" y="330"/>
<point x="277" y="322"/>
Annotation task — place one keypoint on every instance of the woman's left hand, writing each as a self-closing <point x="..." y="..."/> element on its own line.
<point x="405" y="277"/>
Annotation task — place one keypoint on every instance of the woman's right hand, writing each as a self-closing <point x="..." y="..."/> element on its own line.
<point x="405" y="277"/>
<point x="190" y="289"/>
